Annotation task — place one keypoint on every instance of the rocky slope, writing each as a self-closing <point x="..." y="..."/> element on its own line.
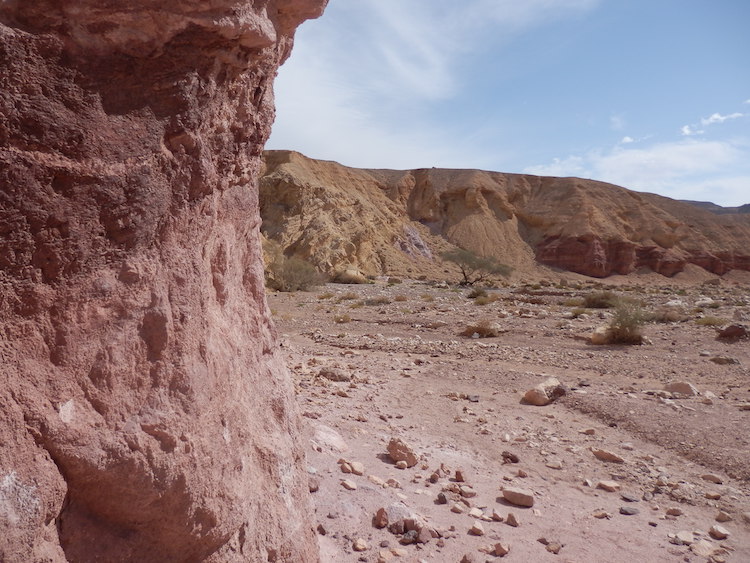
<point x="145" y="412"/>
<point x="397" y="222"/>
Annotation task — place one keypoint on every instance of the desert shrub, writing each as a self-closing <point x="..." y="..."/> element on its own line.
<point x="400" y="297"/>
<point x="627" y="322"/>
<point x="711" y="321"/>
<point x="428" y="297"/>
<point x="485" y="300"/>
<point x="341" y="319"/>
<point x="484" y="328"/>
<point x="347" y="296"/>
<point x="289" y="273"/>
<point x="600" y="300"/>
<point x="578" y="311"/>
<point x="573" y="302"/>
<point x="394" y="281"/>
<point x="382" y="300"/>
<point x="667" y="315"/>
<point x="326" y="295"/>
<point x="357" y="305"/>
<point x="475" y="268"/>
<point x="477" y="292"/>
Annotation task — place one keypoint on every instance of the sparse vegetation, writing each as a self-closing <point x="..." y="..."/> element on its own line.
<point x="477" y="292"/>
<point x="711" y="321"/>
<point x="475" y="268"/>
<point x="341" y="319"/>
<point x="382" y="300"/>
<point x="326" y="295"/>
<point x="428" y="297"/>
<point x="600" y="300"/>
<point x="573" y="302"/>
<point x="289" y="273"/>
<point x="627" y="322"/>
<point x="347" y="297"/>
<point x="400" y="297"/>
<point x="484" y="329"/>
<point x="486" y="299"/>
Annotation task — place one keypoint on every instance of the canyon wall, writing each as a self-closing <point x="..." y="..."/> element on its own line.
<point x="145" y="413"/>
<point x="398" y="222"/>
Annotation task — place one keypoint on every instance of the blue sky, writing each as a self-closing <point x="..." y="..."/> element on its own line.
<point x="651" y="95"/>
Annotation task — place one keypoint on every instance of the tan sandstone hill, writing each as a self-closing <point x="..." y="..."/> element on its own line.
<point x="398" y="222"/>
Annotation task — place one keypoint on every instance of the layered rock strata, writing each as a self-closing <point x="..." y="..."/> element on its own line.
<point x="145" y="413"/>
<point x="398" y="222"/>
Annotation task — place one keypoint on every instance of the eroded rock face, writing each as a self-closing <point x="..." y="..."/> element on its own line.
<point x="145" y="414"/>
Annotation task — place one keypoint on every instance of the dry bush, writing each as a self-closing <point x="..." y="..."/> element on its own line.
<point x="627" y="322"/>
<point x="477" y="292"/>
<point x="289" y="273"/>
<point x="382" y="300"/>
<point x="341" y="319"/>
<point x="573" y="302"/>
<point x="600" y="300"/>
<point x="394" y="281"/>
<point x="485" y="300"/>
<point x="484" y="328"/>
<point x="326" y="295"/>
<point x="347" y="297"/>
<point x="400" y="297"/>
<point x="428" y="297"/>
<point x="667" y="315"/>
<point x="578" y="311"/>
<point x="711" y="321"/>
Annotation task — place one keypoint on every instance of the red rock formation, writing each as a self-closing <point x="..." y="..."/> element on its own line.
<point x="396" y="222"/>
<point x="145" y="414"/>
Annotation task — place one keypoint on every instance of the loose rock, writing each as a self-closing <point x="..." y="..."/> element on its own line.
<point x="519" y="497"/>
<point x="545" y="393"/>
<point x="398" y="450"/>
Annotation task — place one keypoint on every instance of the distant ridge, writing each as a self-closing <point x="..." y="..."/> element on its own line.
<point x="718" y="209"/>
<point x="399" y="222"/>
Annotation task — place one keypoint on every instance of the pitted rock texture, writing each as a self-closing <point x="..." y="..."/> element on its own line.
<point x="397" y="222"/>
<point x="145" y="412"/>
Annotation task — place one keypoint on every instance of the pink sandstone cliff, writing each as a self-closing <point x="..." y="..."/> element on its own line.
<point x="145" y="414"/>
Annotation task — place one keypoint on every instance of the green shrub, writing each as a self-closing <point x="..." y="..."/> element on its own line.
<point x="382" y="300"/>
<point x="475" y="268"/>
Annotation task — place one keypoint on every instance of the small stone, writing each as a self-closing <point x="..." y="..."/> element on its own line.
<point x="385" y="556"/>
<point x="681" y="388"/>
<point x="601" y="335"/>
<point x="469" y="558"/>
<point x="322" y="530"/>
<point x="477" y="529"/>
<point x="398" y="450"/>
<point x="345" y="467"/>
<point x="496" y="517"/>
<point x="604" y="455"/>
<point x="684" y="537"/>
<point x="476" y="513"/>
<point x="501" y="549"/>
<point x="349" y="485"/>
<point x="459" y="476"/>
<point x="711" y="478"/>
<point x="375" y="480"/>
<point x="628" y="497"/>
<point x="334" y="374"/>
<point x="313" y="484"/>
<point x="467" y="492"/>
<point x="442" y="499"/>
<point x="554" y="547"/>
<point x="629" y="510"/>
<point x="733" y="332"/>
<point x="712" y="495"/>
<point x="401" y="464"/>
<point x="511" y="520"/>
<point x="702" y="548"/>
<point x="602" y="514"/>
<point x="380" y="520"/>
<point x="588" y="431"/>
<point x="360" y="545"/>
<point x="609" y="486"/>
<point x="458" y="508"/>
<point x="424" y="535"/>
<point x="674" y="511"/>
<point x="510" y="457"/>
<point x="357" y="468"/>
<point x="723" y="517"/>
<point x="519" y="497"/>
<point x="555" y="464"/>
<point x="409" y="537"/>
<point x="718" y="532"/>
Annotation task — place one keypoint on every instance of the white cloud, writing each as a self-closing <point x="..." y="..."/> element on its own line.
<point x="617" y="122"/>
<point x="688" y="131"/>
<point x="747" y="101"/>
<point x="626" y="140"/>
<point x="688" y="169"/>
<point x="718" y="118"/>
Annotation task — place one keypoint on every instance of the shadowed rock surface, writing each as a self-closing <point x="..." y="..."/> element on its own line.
<point x="396" y="222"/>
<point x="145" y="412"/>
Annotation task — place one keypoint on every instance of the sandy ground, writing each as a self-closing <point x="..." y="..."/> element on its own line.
<point x="457" y="402"/>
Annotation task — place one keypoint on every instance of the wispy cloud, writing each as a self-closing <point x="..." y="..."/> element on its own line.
<point x="626" y="140"/>
<point x="718" y="118"/>
<point x="617" y="122"/>
<point x="682" y="169"/>
<point x="688" y="131"/>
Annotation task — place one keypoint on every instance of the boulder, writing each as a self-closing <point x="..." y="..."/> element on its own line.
<point x="545" y="393"/>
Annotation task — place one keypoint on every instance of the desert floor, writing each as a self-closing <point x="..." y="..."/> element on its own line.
<point x="406" y="372"/>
